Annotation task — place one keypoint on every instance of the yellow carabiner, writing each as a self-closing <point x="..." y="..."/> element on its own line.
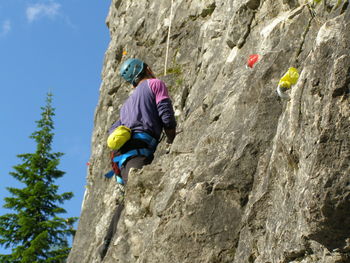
<point x="289" y="78"/>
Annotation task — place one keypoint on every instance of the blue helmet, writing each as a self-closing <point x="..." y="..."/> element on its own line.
<point x="131" y="69"/>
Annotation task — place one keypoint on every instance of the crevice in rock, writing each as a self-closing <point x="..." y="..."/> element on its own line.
<point x="117" y="4"/>
<point x="300" y="103"/>
<point x="118" y="54"/>
<point x="112" y="91"/>
<point x="344" y="7"/>
<point x="208" y="10"/>
<point x="294" y="256"/>
<point x="184" y="97"/>
<point x="243" y="39"/>
<point x="253" y="4"/>
<point x="344" y="90"/>
<point x="216" y="118"/>
<point x="303" y="38"/>
<point x="291" y="3"/>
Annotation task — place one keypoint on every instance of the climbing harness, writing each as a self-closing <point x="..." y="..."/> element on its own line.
<point x="152" y="145"/>
<point x="289" y="78"/>
<point x="109" y="174"/>
<point x="119" y="160"/>
<point x="168" y="38"/>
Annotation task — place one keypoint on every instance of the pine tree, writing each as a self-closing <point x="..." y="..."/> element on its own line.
<point x="33" y="230"/>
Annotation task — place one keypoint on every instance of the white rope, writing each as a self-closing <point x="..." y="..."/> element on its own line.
<point x="168" y="40"/>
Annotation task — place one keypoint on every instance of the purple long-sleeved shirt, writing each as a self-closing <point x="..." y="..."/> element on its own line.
<point x="148" y="109"/>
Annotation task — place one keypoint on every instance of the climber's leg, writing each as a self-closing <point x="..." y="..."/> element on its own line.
<point x="136" y="162"/>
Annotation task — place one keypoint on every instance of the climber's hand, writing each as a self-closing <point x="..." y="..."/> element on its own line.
<point x="170" y="135"/>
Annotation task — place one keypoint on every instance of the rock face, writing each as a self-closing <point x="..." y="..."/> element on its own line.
<point x="251" y="177"/>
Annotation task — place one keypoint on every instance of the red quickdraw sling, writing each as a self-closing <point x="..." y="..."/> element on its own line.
<point x="115" y="167"/>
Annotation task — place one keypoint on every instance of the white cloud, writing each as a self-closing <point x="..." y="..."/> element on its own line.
<point x="38" y="10"/>
<point x="5" y="28"/>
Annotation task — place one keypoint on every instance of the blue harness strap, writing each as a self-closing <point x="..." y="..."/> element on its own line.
<point x="109" y="174"/>
<point x="121" y="159"/>
<point x="146" y="138"/>
<point x="119" y="179"/>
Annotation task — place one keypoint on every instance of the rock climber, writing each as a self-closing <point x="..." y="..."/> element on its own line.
<point x="134" y="137"/>
<point x="145" y="114"/>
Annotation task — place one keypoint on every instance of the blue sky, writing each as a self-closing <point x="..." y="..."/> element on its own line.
<point x="50" y="46"/>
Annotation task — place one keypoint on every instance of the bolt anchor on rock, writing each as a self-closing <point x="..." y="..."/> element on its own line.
<point x="289" y="79"/>
<point x="252" y="60"/>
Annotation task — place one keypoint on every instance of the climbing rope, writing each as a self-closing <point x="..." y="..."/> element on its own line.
<point x="168" y="39"/>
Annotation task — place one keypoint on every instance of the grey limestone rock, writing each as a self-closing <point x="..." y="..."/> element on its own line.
<point x="251" y="178"/>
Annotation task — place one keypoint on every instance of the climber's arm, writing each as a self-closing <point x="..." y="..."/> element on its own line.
<point x="170" y="134"/>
